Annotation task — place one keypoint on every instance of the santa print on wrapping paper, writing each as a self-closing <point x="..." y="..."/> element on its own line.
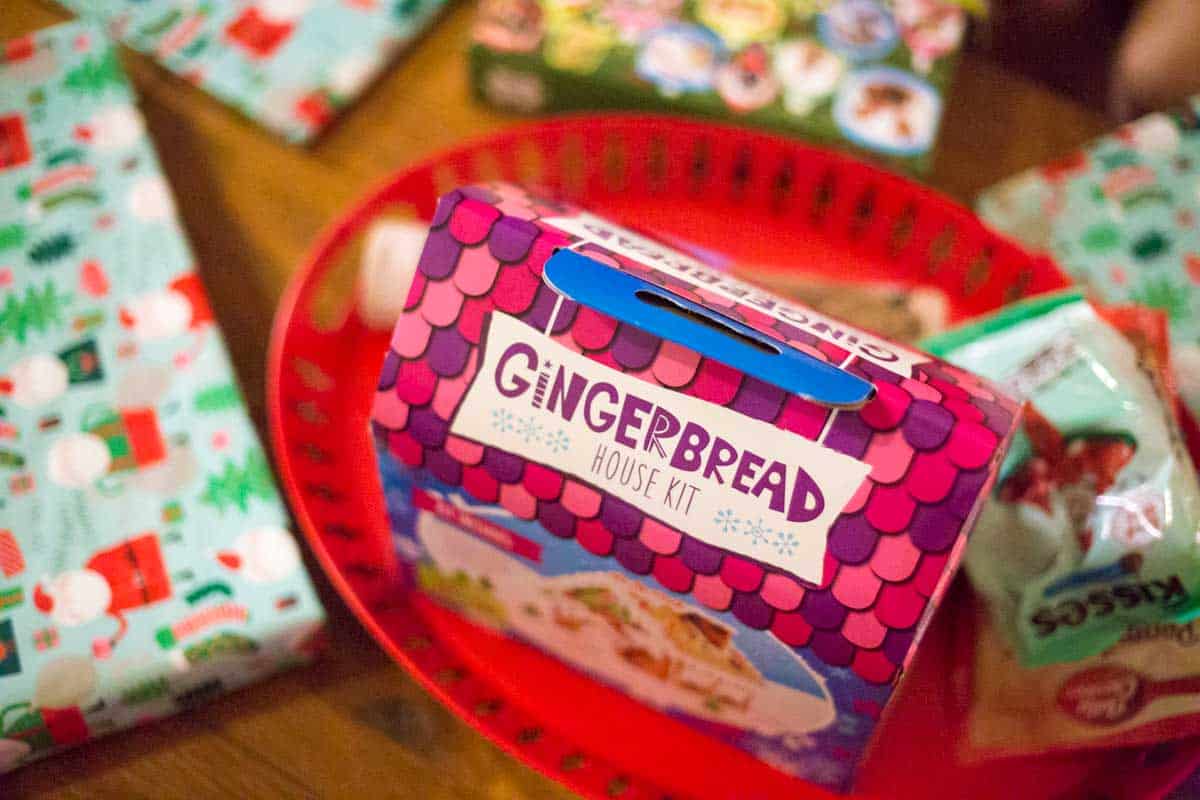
<point x="125" y="577"/>
<point x="54" y="716"/>
<point x="124" y="441"/>
<point x="264" y="26"/>
<point x="262" y="555"/>
<point x="181" y="307"/>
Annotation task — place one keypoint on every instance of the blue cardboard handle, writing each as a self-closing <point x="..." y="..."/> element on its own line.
<point x="667" y="315"/>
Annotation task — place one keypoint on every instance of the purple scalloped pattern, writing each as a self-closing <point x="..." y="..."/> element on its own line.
<point x="931" y="440"/>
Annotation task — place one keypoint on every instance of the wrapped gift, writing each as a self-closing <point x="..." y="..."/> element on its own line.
<point x="862" y="73"/>
<point x="1122" y="216"/>
<point x="735" y="509"/>
<point x="145" y="557"/>
<point x="292" y="65"/>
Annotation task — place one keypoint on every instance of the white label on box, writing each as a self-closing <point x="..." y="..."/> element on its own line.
<point x="888" y="355"/>
<point x="735" y="482"/>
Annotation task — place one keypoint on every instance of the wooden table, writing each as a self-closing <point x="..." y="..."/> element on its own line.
<point x="355" y="725"/>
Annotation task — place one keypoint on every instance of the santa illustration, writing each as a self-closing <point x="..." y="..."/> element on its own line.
<point x="178" y="308"/>
<point x="117" y="127"/>
<point x="262" y="555"/>
<point x="55" y="715"/>
<point x="122" y="578"/>
<point x="264" y="26"/>
<point x="124" y="440"/>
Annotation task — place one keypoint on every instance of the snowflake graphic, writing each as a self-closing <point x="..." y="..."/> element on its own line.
<point x="529" y="429"/>
<point x="727" y="521"/>
<point x="502" y="419"/>
<point x="558" y="442"/>
<point x="758" y="532"/>
<point x="786" y="543"/>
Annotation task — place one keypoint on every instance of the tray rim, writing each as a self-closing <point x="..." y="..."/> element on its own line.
<point x="342" y="228"/>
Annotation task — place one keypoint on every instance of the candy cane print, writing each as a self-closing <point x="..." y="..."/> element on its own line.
<point x="170" y="635"/>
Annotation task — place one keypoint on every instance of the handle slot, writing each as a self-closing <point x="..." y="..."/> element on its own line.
<point x="638" y="302"/>
<point x="712" y="323"/>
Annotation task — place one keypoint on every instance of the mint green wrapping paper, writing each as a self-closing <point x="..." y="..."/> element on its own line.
<point x="146" y="561"/>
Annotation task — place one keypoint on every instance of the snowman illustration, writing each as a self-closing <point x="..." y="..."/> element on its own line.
<point x="55" y="715"/>
<point x="181" y="307"/>
<point x="264" y="26"/>
<point x="262" y="555"/>
<point x="112" y="129"/>
<point x="125" y="577"/>
<point x="124" y="441"/>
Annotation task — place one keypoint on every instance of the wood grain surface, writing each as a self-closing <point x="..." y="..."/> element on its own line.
<point x="354" y="725"/>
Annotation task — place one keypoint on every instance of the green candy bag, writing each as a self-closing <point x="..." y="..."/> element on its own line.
<point x="1093" y="523"/>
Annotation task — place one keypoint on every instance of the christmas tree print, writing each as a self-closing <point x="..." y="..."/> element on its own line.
<point x="237" y="485"/>
<point x="51" y="249"/>
<point x="11" y="236"/>
<point x="35" y="311"/>
<point x="96" y="74"/>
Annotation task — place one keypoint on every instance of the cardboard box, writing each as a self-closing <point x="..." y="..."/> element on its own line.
<point x="864" y="74"/>
<point x="734" y="509"/>
<point x="145" y="558"/>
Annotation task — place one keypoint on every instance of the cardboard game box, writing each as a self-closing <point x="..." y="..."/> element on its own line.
<point x="864" y="74"/>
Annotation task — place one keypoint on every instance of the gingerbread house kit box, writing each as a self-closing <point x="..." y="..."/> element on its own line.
<point x="733" y="509"/>
<point x="869" y="74"/>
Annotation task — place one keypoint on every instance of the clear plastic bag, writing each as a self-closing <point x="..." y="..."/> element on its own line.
<point x="1093" y="523"/>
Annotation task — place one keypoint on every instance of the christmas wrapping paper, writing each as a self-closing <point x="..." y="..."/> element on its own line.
<point x="1122" y="216"/>
<point x="289" y="64"/>
<point x="869" y="74"/>
<point x="145" y="558"/>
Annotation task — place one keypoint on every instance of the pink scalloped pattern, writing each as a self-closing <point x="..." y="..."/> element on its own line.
<point x="932" y="440"/>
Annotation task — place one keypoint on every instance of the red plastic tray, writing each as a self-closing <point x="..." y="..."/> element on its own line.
<point x="751" y="196"/>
